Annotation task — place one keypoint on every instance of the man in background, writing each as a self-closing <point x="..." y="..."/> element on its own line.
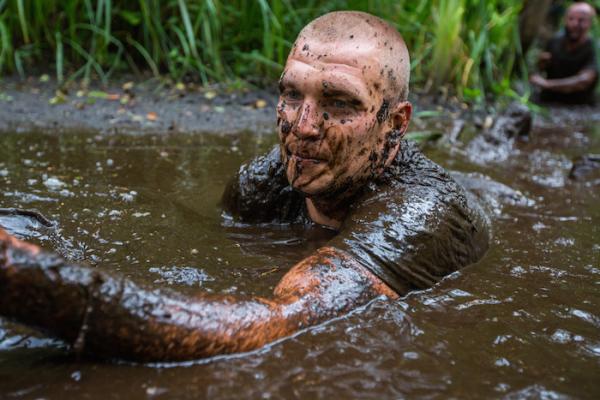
<point x="569" y="61"/>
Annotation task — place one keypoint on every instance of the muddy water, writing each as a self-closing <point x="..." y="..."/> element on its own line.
<point x="522" y="323"/>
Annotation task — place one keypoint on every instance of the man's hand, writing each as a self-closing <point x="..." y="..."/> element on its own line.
<point x="573" y="84"/>
<point x="539" y="81"/>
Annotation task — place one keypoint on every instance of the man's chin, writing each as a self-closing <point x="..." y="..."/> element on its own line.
<point x="307" y="184"/>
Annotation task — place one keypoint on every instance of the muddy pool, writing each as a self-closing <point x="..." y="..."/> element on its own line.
<point x="524" y="322"/>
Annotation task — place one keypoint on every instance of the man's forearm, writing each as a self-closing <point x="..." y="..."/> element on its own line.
<point x="572" y="84"/>
<point x="114" y="318"/>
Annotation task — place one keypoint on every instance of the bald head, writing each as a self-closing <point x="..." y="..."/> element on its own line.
<point x="582" y="7"/>
<point x="372" y="43"/>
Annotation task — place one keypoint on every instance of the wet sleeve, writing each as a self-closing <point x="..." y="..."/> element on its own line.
<point x="592" y="62"/>
<point x="411" y="237"/>
<point x="260" y="192"/>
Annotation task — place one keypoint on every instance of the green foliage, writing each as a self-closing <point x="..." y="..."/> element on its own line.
<point x="468" y="44"/>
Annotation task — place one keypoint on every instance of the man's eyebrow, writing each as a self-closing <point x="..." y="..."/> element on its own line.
<point x="338" y="92"/>
<point x="286" y="84"/>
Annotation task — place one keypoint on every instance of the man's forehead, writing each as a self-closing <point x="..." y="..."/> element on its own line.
<point x="580" y="10"/>
<point x="338" y="57"/>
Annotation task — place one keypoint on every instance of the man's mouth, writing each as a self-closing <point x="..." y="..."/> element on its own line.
<point x="303" y="158"/>
<point x="306" y="160"/>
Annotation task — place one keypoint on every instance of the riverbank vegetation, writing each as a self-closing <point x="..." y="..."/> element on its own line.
<point x="470" y="46"/>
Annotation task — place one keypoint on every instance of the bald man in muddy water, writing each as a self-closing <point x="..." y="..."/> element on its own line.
<point x="569" y="61"/>
<point x="400" y="223"/>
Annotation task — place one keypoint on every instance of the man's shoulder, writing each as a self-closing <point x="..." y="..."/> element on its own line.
<point x="260" y="192"/>
<point x="411" y="168"/>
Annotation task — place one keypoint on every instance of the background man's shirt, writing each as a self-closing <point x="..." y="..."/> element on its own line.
<point x="564" y="64"/>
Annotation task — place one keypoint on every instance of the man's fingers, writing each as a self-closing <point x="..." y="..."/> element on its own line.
<point x="7" y="241"/>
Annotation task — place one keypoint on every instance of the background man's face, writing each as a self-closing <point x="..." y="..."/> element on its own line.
<point x="328" y="109"/>
<point x="578" y="22"/>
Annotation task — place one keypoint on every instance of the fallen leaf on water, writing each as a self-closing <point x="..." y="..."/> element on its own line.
<point x="211" y="94"/>
<point x="180" y="86"/>
<point x="260" y="103"/>
<point x="489" y="121"/>
<point x="96" y="94"/>
<point x="220" y="109"/>
<point x="125" y="99"/>
<point x="44" y="78"/>
<point x="151" y="116"/>
<point x="127" y="86"/>
<point x="269" y="272"/>
<point x="59" y="98"/>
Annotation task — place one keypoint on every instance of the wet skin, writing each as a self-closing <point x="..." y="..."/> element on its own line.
<point x="335" y="124"/>
<point x="112" y="317"/>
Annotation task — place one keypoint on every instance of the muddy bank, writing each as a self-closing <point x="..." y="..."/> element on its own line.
<point x="133" y="106"/>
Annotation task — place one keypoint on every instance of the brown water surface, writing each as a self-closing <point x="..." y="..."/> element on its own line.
<point x="522" y="323"/>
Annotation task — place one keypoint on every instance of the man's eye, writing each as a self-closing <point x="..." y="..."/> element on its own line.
<point x="339" y="104"/>
<point x="293" y="95"/>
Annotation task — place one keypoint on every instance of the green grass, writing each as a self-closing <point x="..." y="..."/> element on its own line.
<point x="470" y="45"/>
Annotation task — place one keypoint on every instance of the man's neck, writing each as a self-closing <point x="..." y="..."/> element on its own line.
<point x="325" y="214"/>
<point x="574" y="45"/>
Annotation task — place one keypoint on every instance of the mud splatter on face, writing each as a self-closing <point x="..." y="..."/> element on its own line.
<point x="383" y="113"/>
<point x="286" y="127"/>
<point x="392" y="140"/>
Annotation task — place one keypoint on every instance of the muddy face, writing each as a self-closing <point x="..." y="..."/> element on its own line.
<point x="333" y="118"/>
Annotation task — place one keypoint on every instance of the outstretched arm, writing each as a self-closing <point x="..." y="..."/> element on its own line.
<point x="114" y="318"/>
<point x="576" y="83"/>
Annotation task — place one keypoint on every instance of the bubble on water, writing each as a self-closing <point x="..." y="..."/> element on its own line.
<point x="502" y="387"/>
<point x="3" y="172"/>
<point x="410" y="355"/>
<point x="153" y="391"/>
<point x="189" y="276"/>
<point x="585" y="316"/>
<point x="517" y="271"/>
<point x="502" y="339"/>
<point x="66" y="193"/>
<point x="128" y="196"/>
<point x="110" y="162"/>
<point x="502" y="362"/>
<point x="53" y="183"/>
<point x="565" y="241"/>
<point x="561" y="336"/>
<point x="114" y="213"/>
<point x="140" y="214"/>
<point x="459" y="293"/>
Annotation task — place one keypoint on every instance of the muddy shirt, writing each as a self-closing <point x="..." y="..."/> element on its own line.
<point x="564" y="64"/>
<point x="411" y="227"/>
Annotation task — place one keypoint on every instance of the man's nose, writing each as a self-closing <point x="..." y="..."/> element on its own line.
<point x="309" y="122"/>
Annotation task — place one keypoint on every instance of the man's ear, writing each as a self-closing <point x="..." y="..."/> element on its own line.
<point x="398" y="121"/>
<point x="400" y="117"/>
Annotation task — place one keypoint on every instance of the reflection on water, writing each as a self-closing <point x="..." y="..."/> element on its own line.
<point x="522" y="323"/>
